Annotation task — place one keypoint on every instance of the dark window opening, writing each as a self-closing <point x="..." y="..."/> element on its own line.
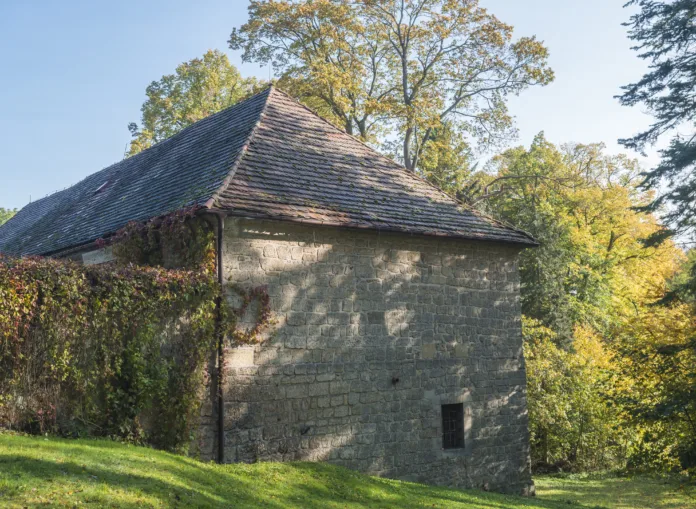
<point x="453" y="426"/>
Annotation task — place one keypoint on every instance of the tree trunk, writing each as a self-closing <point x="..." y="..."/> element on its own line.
<point x="407" y="149"/>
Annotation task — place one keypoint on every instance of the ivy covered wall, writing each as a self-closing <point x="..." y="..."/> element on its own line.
<point x="119" y="350"/>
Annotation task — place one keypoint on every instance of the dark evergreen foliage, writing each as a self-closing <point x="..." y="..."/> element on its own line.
<point x="665" y="35"/>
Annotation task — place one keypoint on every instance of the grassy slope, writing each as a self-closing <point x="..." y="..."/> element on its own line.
<point x="38" y="471"/>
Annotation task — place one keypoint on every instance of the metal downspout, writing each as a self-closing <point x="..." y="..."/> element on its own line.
<point x="220" y="343"/>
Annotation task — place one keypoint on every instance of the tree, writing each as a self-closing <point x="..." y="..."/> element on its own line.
<point x="665" y="35"/>
<point x="6" y="214"/>
<point x="198" y="88"/>
<point x="660" y="348"/>
<point x="401" y="68"/>
<point x="587" y="298"/>
<point x="577" y="201"/>
<point x="573" y="418"/>
<point x="658" y="355"/>
<point x="446" y="160"/>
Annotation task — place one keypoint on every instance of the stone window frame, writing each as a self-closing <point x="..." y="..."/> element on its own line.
<point x="463" y="398"/>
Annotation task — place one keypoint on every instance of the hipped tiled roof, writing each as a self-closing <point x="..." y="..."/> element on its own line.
<point x="266" y="157"/>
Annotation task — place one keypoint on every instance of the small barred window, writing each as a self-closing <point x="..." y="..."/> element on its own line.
<point x="453" y="426"/>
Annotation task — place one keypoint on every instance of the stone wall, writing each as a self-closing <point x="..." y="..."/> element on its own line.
<point x="375" y="332"/>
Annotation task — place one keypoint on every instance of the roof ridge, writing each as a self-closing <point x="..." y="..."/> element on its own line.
<point x="197" y="122"/>
<point x="148" y="150"/>
<point x="247" y="158"/>
<point x="403" y="168"/>
<point x="250" y="137"/>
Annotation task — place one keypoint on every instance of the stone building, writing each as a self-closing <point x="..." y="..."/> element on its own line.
<point x="397" y="349"/>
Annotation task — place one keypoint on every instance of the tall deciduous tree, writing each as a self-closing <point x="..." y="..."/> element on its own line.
<point x="574" y="422"/>
<point x="577" y="201"/>
<point x="665" y="36"/>
<point x="658" y="367"/>
<point x="587" y="295"/>
<point x="446" y="160"/>
<point x="403" y="67"/>
<point x="198" y="88"/>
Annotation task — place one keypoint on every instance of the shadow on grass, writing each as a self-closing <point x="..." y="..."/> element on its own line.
<point x="56" y="479"/>
<point x="303" y="485"/>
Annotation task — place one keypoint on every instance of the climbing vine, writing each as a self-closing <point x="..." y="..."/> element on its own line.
<point x="263" y="319"/>
<point x="119" y="349"/>
<point x="178" y="240"/>
<point x="99" y="350"/>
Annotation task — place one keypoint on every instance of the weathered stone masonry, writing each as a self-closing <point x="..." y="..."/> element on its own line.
<point x="375" y="332"/>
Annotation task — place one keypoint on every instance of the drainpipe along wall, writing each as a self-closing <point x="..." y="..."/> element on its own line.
<point x="220" y="343"/>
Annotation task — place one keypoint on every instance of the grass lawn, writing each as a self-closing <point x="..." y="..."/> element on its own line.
<point x="617" y="492"/>
<point x="40" y="471"/>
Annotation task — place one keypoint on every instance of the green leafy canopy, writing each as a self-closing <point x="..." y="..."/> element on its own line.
<point x="6" y="214"/>
<point x="397" y="69"/>
<point x="198" y="88"/>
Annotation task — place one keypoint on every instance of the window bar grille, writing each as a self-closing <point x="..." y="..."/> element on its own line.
<point x="453" y="426"/>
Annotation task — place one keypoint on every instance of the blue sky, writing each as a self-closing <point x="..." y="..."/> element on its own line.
<point x="73" y="75"/>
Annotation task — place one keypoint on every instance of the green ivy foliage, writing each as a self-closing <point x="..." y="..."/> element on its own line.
<point x="183" y="240"/>
<point x="175" y="241"/>
<point x="263" y="319"/>
<point x="116" y="350"/>
<point x="121" y="349"/>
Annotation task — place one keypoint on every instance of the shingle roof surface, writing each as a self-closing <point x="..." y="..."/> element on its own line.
<point x="266" y="157"/>
<point x="184" y="170"/>
<point x="299" y="167"/>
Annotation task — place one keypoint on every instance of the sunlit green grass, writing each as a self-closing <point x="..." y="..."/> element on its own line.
<point x="618" y="492"/>
<point x="38" y="472"/>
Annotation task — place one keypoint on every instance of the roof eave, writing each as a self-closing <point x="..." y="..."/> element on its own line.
<point x="531" y="242"/>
